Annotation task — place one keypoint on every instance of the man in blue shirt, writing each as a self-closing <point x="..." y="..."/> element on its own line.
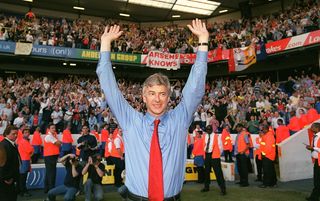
<point x="138" y="128"/>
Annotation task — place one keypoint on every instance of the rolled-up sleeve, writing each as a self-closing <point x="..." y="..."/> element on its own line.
<point x="120" y="108"/>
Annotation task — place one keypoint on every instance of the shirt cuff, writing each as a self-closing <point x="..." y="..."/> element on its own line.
<point x="202" y="56"/>
<point x="105" y="56"/>
<point x="317" y="149"/>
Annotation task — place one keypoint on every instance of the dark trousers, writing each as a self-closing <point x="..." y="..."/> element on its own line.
<point x="242" y="165"/>
<point x="35" y="158"/>
<point x="316" y="182"/>
<point x="23" y="182"/>
<point x="259" y="168"/>
<point x="51" y="171"/>
<point x="269" y="173"/>
<point x="200" y="171"/>
<point x="227" y="156"/>
<point x="8" y="192"/>
<point x="118" y="168"/>
<point x="189" y="151"/>
<point x="215" y="163"/>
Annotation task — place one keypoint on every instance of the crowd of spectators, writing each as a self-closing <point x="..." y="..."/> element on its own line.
<point x="85" y="34"/>
<point x="76" y="101"/>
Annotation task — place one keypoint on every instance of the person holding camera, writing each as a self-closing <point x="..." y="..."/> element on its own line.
<point x="87" y="144"/>
<point x="71" y="180"/>
<point x="95" y="170"/>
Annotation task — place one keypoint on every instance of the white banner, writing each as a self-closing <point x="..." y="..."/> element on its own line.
<point x="23" y="48"/>
<point x="162" y="60"/>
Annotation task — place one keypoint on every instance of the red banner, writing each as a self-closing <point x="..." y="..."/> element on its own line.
<point x="293" y="42"/>
<point x="271" y="48"/>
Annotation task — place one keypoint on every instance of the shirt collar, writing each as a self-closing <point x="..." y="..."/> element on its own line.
<point x="11" y="141"/>
<point x="150" y="119"/>
<point x="317" y="134"/>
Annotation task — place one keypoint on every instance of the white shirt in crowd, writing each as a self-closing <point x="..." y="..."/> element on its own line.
<point x="18" y="122"/>
<point x="274" y="122"/>
<point x="3" y="126"/>
<point x="56" y="116"/>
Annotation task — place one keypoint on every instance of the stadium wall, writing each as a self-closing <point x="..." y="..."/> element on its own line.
<point x="294" y="159"/>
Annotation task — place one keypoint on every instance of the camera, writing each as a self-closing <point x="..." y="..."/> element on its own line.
<point x="74" y="160"/>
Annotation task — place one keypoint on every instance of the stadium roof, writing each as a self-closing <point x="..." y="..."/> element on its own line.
<point x="140" y="10"/>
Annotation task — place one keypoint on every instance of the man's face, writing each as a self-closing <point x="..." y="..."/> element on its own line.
<point x="85" y="130"/>
<point x="52" y="129"/>
<point x="13" y="135"/>
<point x="156" y="99"/>
<point x="26" y="133"/>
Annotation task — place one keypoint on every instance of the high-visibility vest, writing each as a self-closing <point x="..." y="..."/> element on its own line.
<point x="242" y="145"/>
<point x="294" y="124"/>
<point x="25" y="149"/>
<point x="282" y="133"/>
<point x="114" y="151"/>
<point x="20" y="135"/>
<point x="190" y="139"/>
<point x="36" y="139"/>
<point x="318" y="146"/>
<point x="1" y="138"/>
<point x="106" y="149"/>
<point x="198" y="146"/>
<point x="303" y="120"/>
<point x="257" y="152"/>
<point x="268" y="146"/>
<point x="67" y="136"/>
<point x="50" y="149"/>
<point x="226" y="140"/>
<point x="215" y="150"/>
<point x="312" y="115"/>
<point x="104" y="135"/>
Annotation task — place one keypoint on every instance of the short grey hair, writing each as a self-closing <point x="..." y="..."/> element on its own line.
<point x="156" y="79"/>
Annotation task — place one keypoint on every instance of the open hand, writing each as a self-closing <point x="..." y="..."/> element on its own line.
<point x="109" y="35"/>
<point x="199" y="29"/>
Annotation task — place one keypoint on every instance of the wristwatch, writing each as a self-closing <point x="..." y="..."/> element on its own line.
<point x="203" y="44"/>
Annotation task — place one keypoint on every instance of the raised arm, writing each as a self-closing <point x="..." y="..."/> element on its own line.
<point x="194" y="89"/>
<point x="118" y="105"/>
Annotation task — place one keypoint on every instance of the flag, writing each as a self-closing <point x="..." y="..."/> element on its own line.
<point x="241" y="58"/>
<point x="261" y="51"/>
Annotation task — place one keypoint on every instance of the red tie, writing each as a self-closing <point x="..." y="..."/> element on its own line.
<point x="155" y="187"/>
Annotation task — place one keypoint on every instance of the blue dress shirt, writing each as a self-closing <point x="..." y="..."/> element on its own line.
<point x="138" y="128"/>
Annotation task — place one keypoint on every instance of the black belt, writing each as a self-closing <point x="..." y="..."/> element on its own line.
<point x="134" y="197"/>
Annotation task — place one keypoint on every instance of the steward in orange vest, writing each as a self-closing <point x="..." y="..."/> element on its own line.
<point x="282" y="132"/>
<point x="104" y="138"/>
<point x="51" y="150"/>
<point x="198" y="153"/>
<point x="36" y="142"/>
<point x="227" y="144"/>
<point x="67" y="140"/>
<point x="241" y="151"/>
<point x="268" y="152"/>
<point x="190" y="142"/>
<point x="108" y="149"/>
<point x="312" y="115"/>
<point x="315" y="153"/>
<point x="303" y="120"/>
<point x="117" y="157"/>
<point x="25" y="150"/>
<point x="294" y="123"/>
<point x="258" y="157"/>
<point x="212" y="160"/>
